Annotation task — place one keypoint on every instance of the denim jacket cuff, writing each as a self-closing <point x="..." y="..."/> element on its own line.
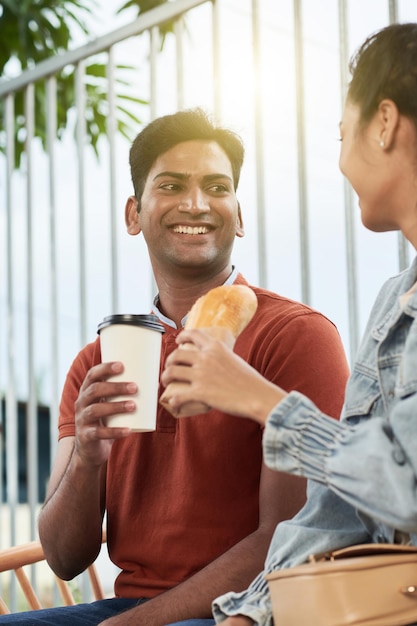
<point x="255" y="604"/>
<point x="298" y="438"/>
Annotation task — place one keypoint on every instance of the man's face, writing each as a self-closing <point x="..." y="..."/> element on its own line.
<point x="189" y="211"/>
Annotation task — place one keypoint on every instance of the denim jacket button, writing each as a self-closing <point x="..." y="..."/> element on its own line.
<point x="398" y="456"/>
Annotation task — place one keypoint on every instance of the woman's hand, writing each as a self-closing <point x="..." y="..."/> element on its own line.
<point x="218" y="377"/>
<point x="238" y="620"/>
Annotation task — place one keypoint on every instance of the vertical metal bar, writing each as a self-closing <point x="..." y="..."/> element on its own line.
<point x="179" y="33"/>
<point x="351" y="261"/>
<point x="51" y="133"/>
<point x="217" y="101"/>
<point x="80" y="98"/>
<point x="2" y="420"/>
<point x="403" y="249"/>
<point x="393" y="11"/>
<point x="153" y="68"/>
<point x="111" y="136"/>
<point x="153" y="78"/>
<point x="301" y="150"/>
<point x="259" y="147"/>
<point x="80" y="139"/>
<point x="3" y="345"/>
<point x="11" y="402"/>
<point x="31" y="416"/>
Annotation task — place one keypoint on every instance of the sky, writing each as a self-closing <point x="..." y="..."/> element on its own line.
<point x="274" y="82"/>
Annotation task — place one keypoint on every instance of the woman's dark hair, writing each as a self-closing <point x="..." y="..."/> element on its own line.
<point x="166" y="132"/>
<point x="385" y="66"/>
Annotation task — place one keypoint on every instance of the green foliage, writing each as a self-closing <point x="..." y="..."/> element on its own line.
<point x="96" y="109"/>
<point x="33" y="30"/>
<point x="147" y="5"/>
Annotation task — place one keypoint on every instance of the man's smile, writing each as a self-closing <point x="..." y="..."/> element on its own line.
<point x="191" y="230"/>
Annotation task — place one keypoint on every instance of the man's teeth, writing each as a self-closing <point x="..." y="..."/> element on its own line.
<point x="191" y="230"/>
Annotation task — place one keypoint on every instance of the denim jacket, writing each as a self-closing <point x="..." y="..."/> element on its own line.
<point x="362" y="470"/>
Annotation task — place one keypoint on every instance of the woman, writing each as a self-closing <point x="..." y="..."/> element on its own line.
<point x="363" y="469"/>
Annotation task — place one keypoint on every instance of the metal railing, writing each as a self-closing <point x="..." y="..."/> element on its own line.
<point x="64" y="263"/>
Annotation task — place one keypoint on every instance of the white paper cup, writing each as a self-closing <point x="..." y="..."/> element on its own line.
<point x="135" y="340"/>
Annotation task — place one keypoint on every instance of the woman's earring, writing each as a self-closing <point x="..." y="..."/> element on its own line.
<point x="382" y="143"/>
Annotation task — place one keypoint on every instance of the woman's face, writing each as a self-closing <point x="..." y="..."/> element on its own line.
<point x="366" y="165"/>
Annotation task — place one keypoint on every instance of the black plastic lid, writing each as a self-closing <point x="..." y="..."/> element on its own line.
<point x="146" y="321"/>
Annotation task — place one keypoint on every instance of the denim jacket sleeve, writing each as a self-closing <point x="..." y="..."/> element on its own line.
<point x="357" y="462"/>
<point x="369" y="458"/>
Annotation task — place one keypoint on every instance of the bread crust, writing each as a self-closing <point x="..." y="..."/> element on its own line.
<point x="227" y="306"/>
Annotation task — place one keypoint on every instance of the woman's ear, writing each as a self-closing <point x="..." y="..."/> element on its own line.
<point x="240" y="230"/>
<point x="388" y="117"/>
<point x="132" y="219"/>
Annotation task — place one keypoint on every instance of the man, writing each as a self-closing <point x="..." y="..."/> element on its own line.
<point x="191" y="508"/>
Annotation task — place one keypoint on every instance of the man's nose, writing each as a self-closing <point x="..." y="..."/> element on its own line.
<point x="195" y="201"/>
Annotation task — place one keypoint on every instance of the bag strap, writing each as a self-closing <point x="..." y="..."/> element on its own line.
<point x="363" y="549"/>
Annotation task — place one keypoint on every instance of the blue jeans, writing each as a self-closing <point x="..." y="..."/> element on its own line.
<point x="194" y="622"/>
<point x="89" y="614"/>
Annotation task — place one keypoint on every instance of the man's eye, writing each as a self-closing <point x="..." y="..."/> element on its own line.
<point x="218" y="188"/>
<point x="169" y="186"/>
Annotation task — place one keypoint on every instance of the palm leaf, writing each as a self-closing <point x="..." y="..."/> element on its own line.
<point x="32" y="31"/>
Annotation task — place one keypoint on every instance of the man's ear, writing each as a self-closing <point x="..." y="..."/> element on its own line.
<point x="389" y="118"/>
<point x="132" y="219"/>
<point x="240" y="230"/>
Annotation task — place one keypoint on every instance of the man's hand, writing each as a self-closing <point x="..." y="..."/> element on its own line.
<point x="93" y="440"/>
<point x="70" y="523"/>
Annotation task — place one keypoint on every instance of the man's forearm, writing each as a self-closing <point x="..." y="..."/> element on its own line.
<point x="232" y="571"/>
<point x="70" y="523"/>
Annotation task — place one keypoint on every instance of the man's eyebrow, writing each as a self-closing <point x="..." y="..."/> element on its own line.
<point x="182" y="176"/>
<point x="178" y="175"/>
<point x="210" y="177"/>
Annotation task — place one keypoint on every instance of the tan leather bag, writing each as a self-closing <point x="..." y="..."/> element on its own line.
<point x="364" y="585"/>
